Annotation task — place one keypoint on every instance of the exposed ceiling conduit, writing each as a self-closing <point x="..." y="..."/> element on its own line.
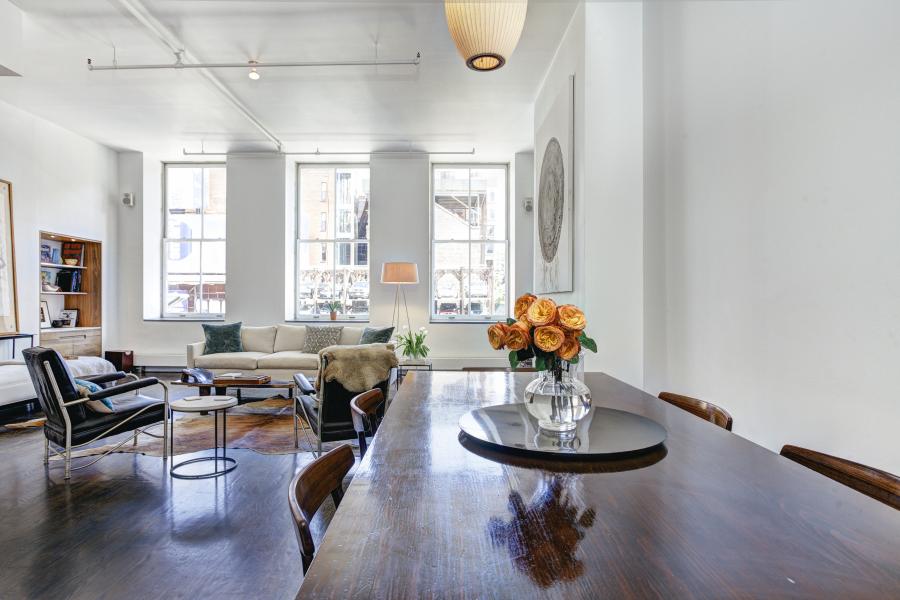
<point x="179" y="64"/>
<point x="317" y="152"/>
<point x="137" y="10"/>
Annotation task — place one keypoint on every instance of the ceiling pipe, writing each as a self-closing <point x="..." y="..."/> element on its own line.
<point x="179" y="64"/>
<point x="167" y="39"/>
<point x="317" y="152"/>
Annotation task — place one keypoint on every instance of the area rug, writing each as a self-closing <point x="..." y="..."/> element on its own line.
<point x="264" y="426"/>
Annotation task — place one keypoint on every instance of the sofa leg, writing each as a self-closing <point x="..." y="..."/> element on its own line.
<point x="46" y="451"/>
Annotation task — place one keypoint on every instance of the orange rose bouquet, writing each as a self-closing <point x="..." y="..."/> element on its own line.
<point x="552" y="335"/>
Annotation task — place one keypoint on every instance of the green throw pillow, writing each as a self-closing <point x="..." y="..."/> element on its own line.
<point x="374" y="335"/>
<point x="222" y="338"/>
<point x="318" y="338"/>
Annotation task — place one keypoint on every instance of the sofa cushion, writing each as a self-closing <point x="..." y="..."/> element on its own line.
<point x="258" y="339"/>
<point x="318" y="338"/>
<point x="350" y="336"/>
<point x="229" y="360"/>
<point x="290" y="337"/>
<point x="373" y="335"/>
<point x="222" y="338"/>
<point x="289" y="359"/>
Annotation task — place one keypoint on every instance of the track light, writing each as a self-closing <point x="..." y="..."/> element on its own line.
<point x="253" y="74"/>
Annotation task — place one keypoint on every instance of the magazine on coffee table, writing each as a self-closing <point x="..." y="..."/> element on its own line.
<point x="240" y="379"/>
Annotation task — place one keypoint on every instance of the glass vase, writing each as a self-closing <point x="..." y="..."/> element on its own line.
<point x="558" y="400"/>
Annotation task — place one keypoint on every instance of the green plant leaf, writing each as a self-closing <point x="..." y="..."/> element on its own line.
<point x="526" y="354"/>
<point x="513" y="359"/>
<point x="573" y="360"/>
<point x="540" y="363"/>
<point x="587" y="342"/>
<point x="510" y="321"/>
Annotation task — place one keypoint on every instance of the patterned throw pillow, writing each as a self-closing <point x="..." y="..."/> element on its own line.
<point x="318" y="338"/>
<point x="374" y="335"/>
<point x="86" y="388"/>
<point x="222" y="338"/>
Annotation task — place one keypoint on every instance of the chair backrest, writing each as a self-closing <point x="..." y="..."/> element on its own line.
<point x="705" y="410"/>
<point x="878" y="484"/>
<point x="308" y="489"/>
<point x="43" y="386"/>
<point x="499" y="370"/>
<point x="335" y="407"/>
<point x="364" y="408"/>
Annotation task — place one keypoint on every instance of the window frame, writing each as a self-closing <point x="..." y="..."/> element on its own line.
<point x="432" y="317"/>
<point x="332" y="242"/>
<point x="165" y="240"/>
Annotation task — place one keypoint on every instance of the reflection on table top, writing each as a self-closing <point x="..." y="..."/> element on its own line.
<point x="710" y="514"/>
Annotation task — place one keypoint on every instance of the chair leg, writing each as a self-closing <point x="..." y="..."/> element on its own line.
<point x="337" y="495"/>
<point x="165" y="422"/>
<point x="46" y="451"/>
<point x="134" y="439"/>
<point x="362" y="444"/>
<point x="68" y="461"/>
<point x="296" y="436"/>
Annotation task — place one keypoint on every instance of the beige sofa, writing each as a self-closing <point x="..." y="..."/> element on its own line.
<point x="275" y="351"/>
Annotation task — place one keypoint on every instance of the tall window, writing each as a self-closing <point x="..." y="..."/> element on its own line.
<point x="469" y="242"/>
<point x="194" y="241"/>
<point x="332" y="241"/>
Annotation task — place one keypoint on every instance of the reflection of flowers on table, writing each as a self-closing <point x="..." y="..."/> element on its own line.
<point x="542" y="537"/>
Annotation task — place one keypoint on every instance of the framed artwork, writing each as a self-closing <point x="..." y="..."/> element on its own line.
<point x="70" y="315"/>
<point x="46" y="321"/>
<point x="554" y="161"/>
<point x="9" y="300"/>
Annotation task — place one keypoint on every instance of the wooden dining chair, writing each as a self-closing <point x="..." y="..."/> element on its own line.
<point x="308" y="489"/>
<point x="364" y="410"/>
<point x="705" y="410"/>
<point x="881" y="485"/>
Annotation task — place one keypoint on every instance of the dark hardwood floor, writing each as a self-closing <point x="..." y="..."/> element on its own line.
<point x="124" y="529"/>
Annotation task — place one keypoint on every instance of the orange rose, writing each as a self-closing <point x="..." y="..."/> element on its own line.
<point x="522" y="304"/>
<point x="571" y="318"/>
<point x="497" y="335"/>
<point x="518" y="337"/>
<point x="570" y="348"/>
<point x="541" y="312"/>
<point x="549" y="338"/>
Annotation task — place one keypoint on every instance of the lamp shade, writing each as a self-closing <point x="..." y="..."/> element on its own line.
<point x="485" y="31"/>
<point x="403" y="273"/>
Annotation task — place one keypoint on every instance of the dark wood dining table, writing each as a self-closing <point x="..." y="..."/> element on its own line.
<point x="430" y="514"/>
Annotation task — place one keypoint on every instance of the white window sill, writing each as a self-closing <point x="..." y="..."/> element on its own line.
<point x="197" y="319"/>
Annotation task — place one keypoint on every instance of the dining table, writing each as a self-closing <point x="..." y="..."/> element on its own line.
<point x="432" y="513"/>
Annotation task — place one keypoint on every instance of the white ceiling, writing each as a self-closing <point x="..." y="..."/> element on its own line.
<point x="439" y="103"/>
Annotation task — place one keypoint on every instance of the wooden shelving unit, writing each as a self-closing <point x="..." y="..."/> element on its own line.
<point x="85" y="338"/>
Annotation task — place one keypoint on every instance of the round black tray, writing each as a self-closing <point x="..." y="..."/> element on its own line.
<point x="602" y="433"/>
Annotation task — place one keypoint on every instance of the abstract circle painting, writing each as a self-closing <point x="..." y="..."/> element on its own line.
<point x="551" y="200"/>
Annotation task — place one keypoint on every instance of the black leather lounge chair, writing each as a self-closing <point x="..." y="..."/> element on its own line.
<point x="71" y="425"/>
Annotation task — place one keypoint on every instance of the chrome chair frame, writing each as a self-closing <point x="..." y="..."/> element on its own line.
<point x="65" y="453"/>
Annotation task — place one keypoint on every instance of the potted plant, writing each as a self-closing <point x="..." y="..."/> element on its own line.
<point x="554" y="337"/>
<point x="412" y="343"/>
<point x="333" y="307"/>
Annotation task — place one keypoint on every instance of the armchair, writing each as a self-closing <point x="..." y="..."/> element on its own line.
<point x="327" y="413"/>
<point x="71" y="425"/>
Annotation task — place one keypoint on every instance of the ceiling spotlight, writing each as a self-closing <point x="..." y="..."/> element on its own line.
<point x="253" y="74"/>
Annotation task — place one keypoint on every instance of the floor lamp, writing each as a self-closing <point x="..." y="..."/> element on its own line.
<point x="399" y="274"/>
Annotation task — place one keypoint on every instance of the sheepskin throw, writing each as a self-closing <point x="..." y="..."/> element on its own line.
<point x="358" y="368"/>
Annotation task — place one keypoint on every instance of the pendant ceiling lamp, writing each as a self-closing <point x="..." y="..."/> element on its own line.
<point x="485" y="31"/>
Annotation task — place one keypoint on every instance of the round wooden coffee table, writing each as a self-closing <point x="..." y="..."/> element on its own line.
<point x="203" y="404"/>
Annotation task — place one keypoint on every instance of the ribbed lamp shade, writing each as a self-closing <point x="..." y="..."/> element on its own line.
<point x="485" y="32"/>
<point x="399" y="272"/>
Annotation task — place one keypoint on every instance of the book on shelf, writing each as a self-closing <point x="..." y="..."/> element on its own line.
<point x="74" y="251"/>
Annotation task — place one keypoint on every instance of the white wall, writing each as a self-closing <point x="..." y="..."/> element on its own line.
<point x="62" y="183"/>
<point x="256" y="247"/>
<point x="260" y="242"/>
<point x="522" y="226"/>
<point x="603" y="48"/>
<point x="782" y="192"/>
